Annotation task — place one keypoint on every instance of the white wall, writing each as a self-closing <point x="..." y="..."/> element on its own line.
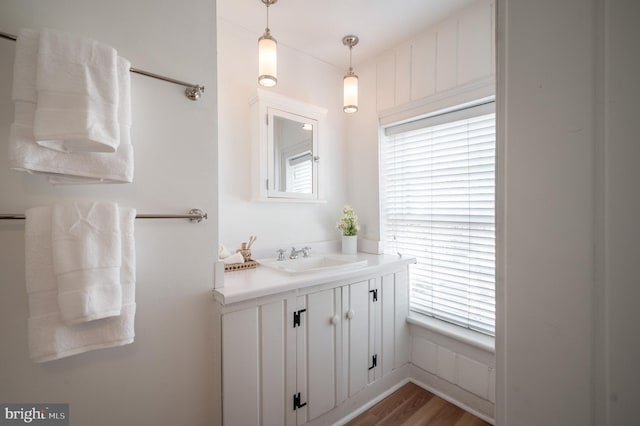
<point x="568" y="341"/>
<point x="166" y="376"/>
<point x="302" y="78"/>
<point x="546" y="179"/>
<point x="618" y="290"/>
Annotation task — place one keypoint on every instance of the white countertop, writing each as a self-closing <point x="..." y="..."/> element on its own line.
<point x="263" y="281"/>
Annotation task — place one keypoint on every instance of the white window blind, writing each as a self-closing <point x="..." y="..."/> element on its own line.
<point x="438" y="198"/>
<point x="300" y="173"/>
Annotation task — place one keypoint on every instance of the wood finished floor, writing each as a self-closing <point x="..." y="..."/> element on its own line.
<point x="413" y="406"/>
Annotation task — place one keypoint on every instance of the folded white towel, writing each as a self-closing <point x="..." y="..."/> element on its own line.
<point x="77" y="88"/>
<point x="49" y="337"/>
<point x="86" y="247"/>
<point x="234" y="258"/>
<point x="223" y="252"/>
<point x="73" y="167"/>
<point x="120" y="168"/>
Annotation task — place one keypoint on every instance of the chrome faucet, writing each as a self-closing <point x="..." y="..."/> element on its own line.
<point x="306" y="252"/>
<point x="280" y="254"/>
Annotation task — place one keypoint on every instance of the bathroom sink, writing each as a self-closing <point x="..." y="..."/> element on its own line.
<point x="322" y="263"/>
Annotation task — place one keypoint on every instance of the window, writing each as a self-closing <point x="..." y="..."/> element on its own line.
<point x="437" y="204"/>
<point x="299" y="172"/>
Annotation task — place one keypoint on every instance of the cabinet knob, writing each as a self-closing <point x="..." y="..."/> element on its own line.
<point x="334" y="320"/>
<point x="350" y="313"/>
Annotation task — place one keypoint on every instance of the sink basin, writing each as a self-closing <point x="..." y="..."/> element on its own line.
<point x="326" y="263"/>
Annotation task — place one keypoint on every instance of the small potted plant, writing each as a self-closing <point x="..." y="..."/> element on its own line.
<point x="348" y="226"/>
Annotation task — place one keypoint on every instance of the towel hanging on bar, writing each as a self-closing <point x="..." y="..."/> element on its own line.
<point x="71" y="96"/>
<point x="192" y="91"/>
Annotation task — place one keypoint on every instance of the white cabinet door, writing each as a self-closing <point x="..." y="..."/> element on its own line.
<point x="254" y="360"/>
<point x="394" y="340"/>
<point x="375" y="336"/>
<point x="355" y="302"/>
<point x="317" y="351"/>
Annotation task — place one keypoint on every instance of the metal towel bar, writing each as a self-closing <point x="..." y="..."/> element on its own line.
<point x="192" y="91"/>
<point x="194" y="215"/>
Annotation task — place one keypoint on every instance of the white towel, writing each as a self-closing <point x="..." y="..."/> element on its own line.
<point x="73" y="167"/>
<point x="77" y="88"/>
<point x="223" y="252"/>
<point x="86" y="246"/>
<point x="234" y="258"/>
<point x="122" y="164"/>
<point x="49" y="337"/>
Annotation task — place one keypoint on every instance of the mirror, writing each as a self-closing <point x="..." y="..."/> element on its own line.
<point x="287" y="148"/>
<point x="294" y="141"/>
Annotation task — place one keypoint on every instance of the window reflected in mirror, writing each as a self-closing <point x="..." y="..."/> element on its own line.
<point x="293" y="155"/>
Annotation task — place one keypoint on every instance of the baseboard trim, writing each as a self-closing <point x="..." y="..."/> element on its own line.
<point x="456" y="395"/>
<point x="371" y="403"/>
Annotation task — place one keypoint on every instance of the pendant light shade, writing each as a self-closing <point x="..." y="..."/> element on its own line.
<point x="267" y="55"/>
<point x="267" y="60"/>
<point x="350" y="81"/>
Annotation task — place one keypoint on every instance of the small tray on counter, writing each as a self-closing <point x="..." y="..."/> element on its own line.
<point x="249" y="264"/>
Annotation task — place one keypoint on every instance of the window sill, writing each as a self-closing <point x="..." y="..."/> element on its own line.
<point x="472" y="338"/>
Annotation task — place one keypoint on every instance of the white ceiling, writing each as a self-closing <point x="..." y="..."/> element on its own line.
<point x="317" y="27"/>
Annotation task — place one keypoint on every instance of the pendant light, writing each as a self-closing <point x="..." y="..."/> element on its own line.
<point x="350" y="81"/>
<point x="267" y="54"/>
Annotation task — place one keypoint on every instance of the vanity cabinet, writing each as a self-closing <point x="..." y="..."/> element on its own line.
<point x="290" y="359"/>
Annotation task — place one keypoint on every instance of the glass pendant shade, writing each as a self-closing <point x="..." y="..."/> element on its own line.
<point x="350" y="81"/>
<point x="350" y="93"/>
<point x="267" y="60"/>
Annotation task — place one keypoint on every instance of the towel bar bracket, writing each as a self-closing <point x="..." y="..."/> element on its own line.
<point x="199" y="215"/>
<point x="194" y="92"/>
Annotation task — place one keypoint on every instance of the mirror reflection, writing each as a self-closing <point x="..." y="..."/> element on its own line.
<point x="293" y="155"/>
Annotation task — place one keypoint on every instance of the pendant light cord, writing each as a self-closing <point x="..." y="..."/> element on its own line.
<point x="350" y="50"/>
<point x="267" y="29"/>
<point x="350" y="41"/>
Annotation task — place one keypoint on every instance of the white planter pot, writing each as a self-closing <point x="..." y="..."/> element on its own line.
<point x="349" y="244"/>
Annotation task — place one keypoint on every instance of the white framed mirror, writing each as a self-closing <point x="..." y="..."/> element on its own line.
<point x="293" y="166"/>
<point x="287" y="147"/>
